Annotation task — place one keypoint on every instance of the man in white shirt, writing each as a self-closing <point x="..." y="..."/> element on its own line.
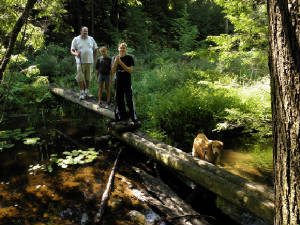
<point x="84" y="48"/>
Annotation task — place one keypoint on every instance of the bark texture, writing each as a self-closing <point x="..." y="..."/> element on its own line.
<point x="284" y="63"/>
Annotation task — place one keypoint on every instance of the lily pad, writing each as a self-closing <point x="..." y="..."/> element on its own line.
<point x="31" y="141"/>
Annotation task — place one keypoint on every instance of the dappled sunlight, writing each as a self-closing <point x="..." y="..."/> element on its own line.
<point x="243" y="164"/>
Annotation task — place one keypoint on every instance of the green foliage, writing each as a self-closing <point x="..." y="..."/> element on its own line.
<point x="74" y="157"/>
<point x="25" y="89"/>
<point x="241" y="66"/>
<point x="178" y="97"/>
<point x="136" y="33"/>
<point x="262" y="157"/>
<point x="249" y="19"/>
<point x="31" y="141"/>
<point x="244" y="52"/>
<point x="207" y="16"/>
<point x="9" y="137"/>
<point x="185" y="32"/>
<point x="18" y="62"/>
<point x="31" y="71"/>
<point x="54" y="60"/>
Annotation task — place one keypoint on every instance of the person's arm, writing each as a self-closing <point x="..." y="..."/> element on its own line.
<point x="95" y="48"/>
<point x="114" y="65"/>
<point x="97" y="67"/>
<point x="128" y="69"/>
<point x="74" y="50"/>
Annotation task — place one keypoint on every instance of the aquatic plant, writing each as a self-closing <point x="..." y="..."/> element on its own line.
<point x="8" y="137"/>
<point x="74" y="157"/>
<point x="31" y="141"/>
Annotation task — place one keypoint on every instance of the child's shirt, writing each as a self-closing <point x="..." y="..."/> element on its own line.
<point x="103" y="65"/>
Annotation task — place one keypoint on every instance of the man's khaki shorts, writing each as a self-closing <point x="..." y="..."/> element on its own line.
<point x="84" y="72"/>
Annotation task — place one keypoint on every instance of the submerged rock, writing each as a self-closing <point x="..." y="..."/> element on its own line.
<point x="68" y="213"/>
<point x="148" y="218"/>
<point x="137" y="217"/>
<point x="84" y="219"/>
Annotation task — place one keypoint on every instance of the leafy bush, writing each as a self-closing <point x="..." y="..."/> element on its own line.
<point x="47" y="64"/>
<point x="196" y="100"/>
<point x="22" y="90"/>
<point x="55" y="61"/>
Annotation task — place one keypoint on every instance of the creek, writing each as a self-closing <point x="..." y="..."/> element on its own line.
<point x="45" y="178"/>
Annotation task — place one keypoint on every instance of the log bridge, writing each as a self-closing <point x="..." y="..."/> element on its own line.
<point x="244" y="201"/>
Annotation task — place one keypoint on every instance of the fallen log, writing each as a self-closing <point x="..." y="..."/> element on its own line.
<point x="88" y="103"/>
<point x="123" y="126"/>
<point x="106" y="193"/>
<point x="176" y="210"/>
<point x="253" y="197"/>
<point x="238" y="214"/>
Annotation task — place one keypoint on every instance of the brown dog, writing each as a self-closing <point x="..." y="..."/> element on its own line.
<point x="207" y="149"/>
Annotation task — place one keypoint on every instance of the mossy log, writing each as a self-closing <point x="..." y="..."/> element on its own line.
<point x="255" y="198"/>
<point x="88" y="103"/>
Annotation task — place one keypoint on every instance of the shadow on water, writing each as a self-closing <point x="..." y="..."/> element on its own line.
<point x="34" y="193"/>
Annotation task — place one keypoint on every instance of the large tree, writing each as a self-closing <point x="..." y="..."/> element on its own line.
<point x="284" y="28"/>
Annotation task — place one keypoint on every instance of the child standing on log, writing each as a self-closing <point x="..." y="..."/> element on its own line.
<point x="103" y="67"/>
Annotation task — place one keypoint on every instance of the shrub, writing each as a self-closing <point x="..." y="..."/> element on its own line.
<point x="54" y="61"/>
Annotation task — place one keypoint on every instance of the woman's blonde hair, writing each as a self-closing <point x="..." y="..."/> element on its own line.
<point x="122" y="43"/>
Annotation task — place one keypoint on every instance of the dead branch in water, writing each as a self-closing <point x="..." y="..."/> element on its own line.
<point x="106" y="193"/>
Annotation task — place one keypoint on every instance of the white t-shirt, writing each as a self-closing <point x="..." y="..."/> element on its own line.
<point x="86" y="48"/>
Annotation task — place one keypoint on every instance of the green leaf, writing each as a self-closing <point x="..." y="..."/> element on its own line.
<point x="31" y="141"/>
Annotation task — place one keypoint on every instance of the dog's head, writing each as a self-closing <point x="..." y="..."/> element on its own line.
<point x="217" y="147"/>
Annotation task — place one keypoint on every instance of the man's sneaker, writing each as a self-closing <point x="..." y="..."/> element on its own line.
<point x="137" y="123"/>
<point x="81" y="96"/>
<point x="86" y="93"/>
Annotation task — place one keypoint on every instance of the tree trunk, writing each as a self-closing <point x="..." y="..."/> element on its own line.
<point x="284" y="63"/>
<point x="14" y="34"/>
<point x="114" y="14"/>
<point x="92" y="17"/>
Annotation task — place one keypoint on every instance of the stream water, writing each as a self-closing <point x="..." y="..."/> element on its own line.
<point x="43" y="181"/>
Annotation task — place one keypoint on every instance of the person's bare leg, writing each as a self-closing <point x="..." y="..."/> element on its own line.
<point x="87" y="84"/>
<point x="81" y="85"/>
<point x="107" y="88"/>
<point x="100" y="92"/>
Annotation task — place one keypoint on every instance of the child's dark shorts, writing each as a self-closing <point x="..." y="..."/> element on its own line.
<point x="103" y="78"/>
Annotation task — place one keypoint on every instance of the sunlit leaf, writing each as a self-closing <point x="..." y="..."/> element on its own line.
<point x="31" y="141"/>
